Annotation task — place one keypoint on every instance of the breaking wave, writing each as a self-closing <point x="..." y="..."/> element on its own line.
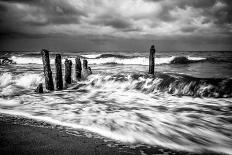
<point x="111" y="59"/>
<point x="132" y="108"/>
<point x="11" y="85"/>
<point x="176" y="84"/>
<point x="171" y="110"/>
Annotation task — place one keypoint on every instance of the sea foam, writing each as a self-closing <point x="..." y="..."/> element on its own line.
<point x="11" y="85"/>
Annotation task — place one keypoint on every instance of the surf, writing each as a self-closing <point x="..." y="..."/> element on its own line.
<point x="110" y="59"/>
<point x="175" y="84"/>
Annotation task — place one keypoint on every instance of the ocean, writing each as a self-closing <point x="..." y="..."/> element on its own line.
<point x="184" y="106"/>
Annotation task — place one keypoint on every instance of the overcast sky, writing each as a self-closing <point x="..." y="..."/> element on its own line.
<point x="115" y="24"/>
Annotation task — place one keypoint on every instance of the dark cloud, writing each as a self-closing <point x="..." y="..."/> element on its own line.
<point x="118" y="23"/>
<point x="23" y="35"/>
<point x="221" y="15"/>
<point x="38" y="19"/>
<point x="102" y="40"/>
<point x="27" y="18"/>
<point x="196" y="3"/>
<point x="224" y="15"/>
<point x="188" y="29"/>
<point x="3" y="8"/>
<point x="18" y="35"/>
<point x="114" y="21"/>
<point x="154" y="0"/>
<point x="20" y="1"/>
<point x="52" y="11"/>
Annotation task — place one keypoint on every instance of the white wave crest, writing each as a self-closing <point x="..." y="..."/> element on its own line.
<point x="28" y="80"/>
<point x="14" y="85"/>
<point x="5" y="79"/>
<point x="92" y="59"/>
<point x="132" y="61"/>
<point x="91" y="56"/>
<point x="196" y="58"/>
<point x="26" y="60"/>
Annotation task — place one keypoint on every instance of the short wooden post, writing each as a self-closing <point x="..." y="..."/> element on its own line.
<point x="85" y="64"/>
<point x="152" y="60"/>
<point x="39" y="89"/>
<point x="47" y="70"/>
<point x="68" y="72"/>
<point x="78" y="68"/>
<point x="59" y="77"/>
<point x="90" y="70"/>
<point x="86" y="70"/>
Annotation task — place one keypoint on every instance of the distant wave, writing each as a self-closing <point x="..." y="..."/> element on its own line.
<point x="26" y="60"/>
<point x="91" y="56"/>
<point x="186" y="60"/>
<point x="114" y="55"/>
<point x="110" y="59"/>
<point x="98" y="56"/>
<point x="121" y="59"/>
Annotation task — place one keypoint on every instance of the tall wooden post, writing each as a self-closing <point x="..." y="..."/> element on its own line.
<point x="78" y="68"/>
<point x="85" y="64"/>
<point x="59" y="77"/>
<point x="68" y="72"/>
<point x="152" y="60"/>
<point x="47" y="70"/>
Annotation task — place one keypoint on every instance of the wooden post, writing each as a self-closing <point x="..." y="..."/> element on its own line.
<point x="85" y="64"/>
<point x="78" y="68"/>
<point x="86" y="70"/>
<point x="47" y="70"/>
<point x="39" y="89"/>
<point x="90" y="70"/>
<point x="152" y="60"/>
<point x="59" y="77"/>
<point x="68" y="72"/>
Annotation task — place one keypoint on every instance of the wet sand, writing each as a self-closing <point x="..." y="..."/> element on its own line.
<point x="20" y="136"/>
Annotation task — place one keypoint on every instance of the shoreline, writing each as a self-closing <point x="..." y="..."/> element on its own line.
<point x="20" y="135"/>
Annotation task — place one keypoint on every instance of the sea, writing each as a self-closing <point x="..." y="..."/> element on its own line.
<point x="184" y="106"/>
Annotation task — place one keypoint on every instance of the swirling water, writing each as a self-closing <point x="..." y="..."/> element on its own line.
<point x="184" y="106"/>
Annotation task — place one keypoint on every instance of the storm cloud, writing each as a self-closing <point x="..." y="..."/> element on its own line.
<point x="170" y="21"/>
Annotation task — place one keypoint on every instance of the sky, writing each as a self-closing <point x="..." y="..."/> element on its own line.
<point x="93" y="25"/>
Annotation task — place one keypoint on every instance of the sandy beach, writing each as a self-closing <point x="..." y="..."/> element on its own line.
<point x="19" y="137"/>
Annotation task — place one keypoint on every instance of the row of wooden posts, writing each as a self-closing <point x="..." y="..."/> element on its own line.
<point x="49" y="85"/>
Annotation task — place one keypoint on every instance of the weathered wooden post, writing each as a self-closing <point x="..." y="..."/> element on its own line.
<point x="78" y="68"/>
<point x="47" y="70"/>
<point x="39" y="89"/>
<point x="59" y="77"/>
<point x="85" y="64"/>
<point x="68" y="72"/>
<point x="152" y="60"/>
<point x="86" y="70"/>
